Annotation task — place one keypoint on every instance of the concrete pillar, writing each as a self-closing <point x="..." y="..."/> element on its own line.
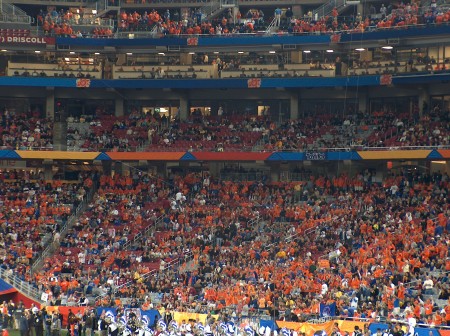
<point x="294" y="106"/>
<point x="184" y="107"/>
<point x="214" y="169"/>
<point x="48" y="171"/>
<point x="119" y="107"/>
<point x="161" y="169"/>
<point x="118" y="168"/>
<point x="298" y="11"/>
<point x="50" y="103"/>
<point x="296" y="57"/>
<point x="362" y="100"/>
<point x="185" y="59"/>
<point x="360" y="8"/>
<point x="424" y="100"/>
<point x="107" y="167"/>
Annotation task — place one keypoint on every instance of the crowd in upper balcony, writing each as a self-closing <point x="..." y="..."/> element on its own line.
<point x="170" y="22"/>
<point x="66" y="23"/>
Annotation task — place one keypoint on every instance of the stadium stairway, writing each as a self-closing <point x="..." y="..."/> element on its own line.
<point x="50" y="249"/>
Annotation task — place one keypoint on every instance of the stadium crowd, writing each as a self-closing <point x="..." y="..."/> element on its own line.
<point x="21" y="132"/>
<point x="376" y="248"/>
<point x="66" y="23"/>
<point x="167" y="23"/>
<point x="33" y="211"/>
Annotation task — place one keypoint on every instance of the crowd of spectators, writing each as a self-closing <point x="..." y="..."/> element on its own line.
<point x="66" y="23"/>
<point x="230" y="132"/>
<point x="377" y="247"/>
<point x="32" y="213"/>
<point x="199" y="133"/>
<point x="379" y="129"/>
<point x="194" y="23"/>
<point x="24" y="133"/>
<point x="109" y="133"/>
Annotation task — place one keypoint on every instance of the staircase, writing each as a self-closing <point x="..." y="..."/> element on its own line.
<point x="214" y="8"/>
<point x="175" y="264"/>
<point x="272" y="28"/>
<point x="21" y="285"/>
<point x="144" y="233"/>
<point x="13" y="14"/>
<point x="51" y="248"/>
<point x="327" y="8"/>
<point x="103" y="7"/>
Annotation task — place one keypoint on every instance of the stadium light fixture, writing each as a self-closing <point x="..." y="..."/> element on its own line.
<point x="37" y="51"/>
<point x="360" y="49"/>
<point x="330" y="50"/>
<point x="240" y="52"/>
<point x="387" y="47"/>
<point x="272" y="52"/>
<point x="129" y="54"/>
<point x="216" y="52"/>
<point x="307" y="51"/>
<point x="4" y="50"/>
<point x="192" y="53"/>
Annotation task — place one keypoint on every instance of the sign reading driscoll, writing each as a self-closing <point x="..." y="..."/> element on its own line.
<point x="25" y="39"/>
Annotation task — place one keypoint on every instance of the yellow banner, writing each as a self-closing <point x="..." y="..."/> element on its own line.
<point x="179" y="317"/>
<point x="311" y="328"/>
<point x="395" y="154"/>
<point x="57" y="155"/>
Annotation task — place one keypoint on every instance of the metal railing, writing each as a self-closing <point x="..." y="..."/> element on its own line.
<point x="145" y="232"/>
<point x="10" y="9"/>
<point x="327" y="8"/>
<point x="271" y="25"/>
<point x="208" y="9"/>
<point x="21" y="285"/>
<point x="102" y="6"/>
<point x="51" y="248"/>
<point x="177" y="262"/>
<point x="10" y="18"/>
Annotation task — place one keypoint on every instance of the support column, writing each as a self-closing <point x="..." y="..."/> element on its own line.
<point x="294" y="106"/>
<point x="424" y="100"/>
<point x="362" y="101"/>
<point x="185" y="59"/>
<point x="119" y="108"/>
<point x="48" y="171"/>
<point x="183" y="112"/>
<point x="360" y="8"/>
<point x="50" y="103"/>
<point x="298" y="11"/>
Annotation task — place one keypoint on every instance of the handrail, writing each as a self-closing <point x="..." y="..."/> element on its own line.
<point x="144" y="232"/>
<point x="271" y="25"/>
<point x="51" y="248"/>
<point x="21" y="285"/>
<point x="327" y="8"/>
<point x="184" y="258"/>
<point x="13" y="18"/>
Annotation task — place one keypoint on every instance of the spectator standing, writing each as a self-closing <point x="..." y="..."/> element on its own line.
<point x="55" y="326"/>
<point x="277" y="14"/>
<point x="23" y="325"/>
